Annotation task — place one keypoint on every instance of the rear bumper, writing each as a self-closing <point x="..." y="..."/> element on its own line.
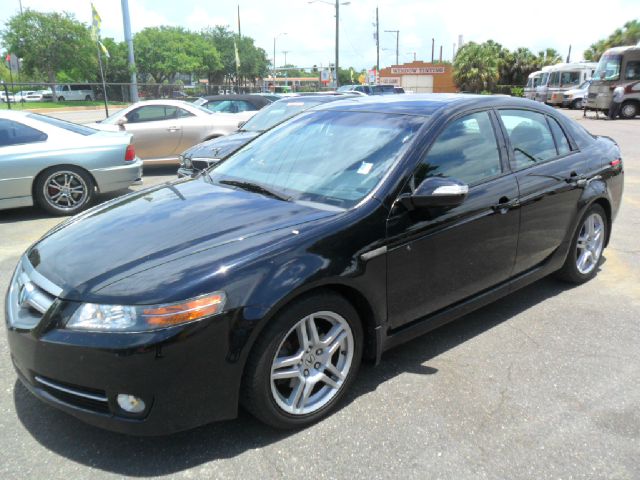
<point x="118" y="178"/>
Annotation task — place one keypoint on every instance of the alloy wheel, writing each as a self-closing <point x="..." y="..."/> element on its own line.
<point x="590" y="243"/>
<point x="65" y="190"/>
<point x="312" y="363"/>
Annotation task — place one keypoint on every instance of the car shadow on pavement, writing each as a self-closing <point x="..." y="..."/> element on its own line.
<point x="154" y="456"/>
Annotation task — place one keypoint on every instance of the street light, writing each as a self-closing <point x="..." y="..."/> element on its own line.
<point x="337" y="6"/>
<point x="274" y="56"/>
<point x="397" y="32"/>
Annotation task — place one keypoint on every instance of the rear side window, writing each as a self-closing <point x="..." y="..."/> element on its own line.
<point x="530" y="137"/>
<point x="16" y="133"/>
<point x="561" y="139"/>
<point x="466" y="150"/>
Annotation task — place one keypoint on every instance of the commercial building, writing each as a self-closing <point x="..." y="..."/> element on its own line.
<point x="420" y="77"/>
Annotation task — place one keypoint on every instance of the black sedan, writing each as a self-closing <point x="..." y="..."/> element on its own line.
<point x="233" y="103"/>
<point x="337" y="235"/>
<point x="205" y="154"/>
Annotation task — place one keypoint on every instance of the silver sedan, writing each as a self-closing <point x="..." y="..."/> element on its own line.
<point x="60" y="165"/>
<point x="162" y="129"/>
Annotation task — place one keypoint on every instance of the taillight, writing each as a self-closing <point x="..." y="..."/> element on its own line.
<point x="615" y="163"/>
<point x="130" y="153"/>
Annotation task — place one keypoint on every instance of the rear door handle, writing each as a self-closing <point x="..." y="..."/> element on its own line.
<point x="577" y="180"/>
<point x="173" y="129"/>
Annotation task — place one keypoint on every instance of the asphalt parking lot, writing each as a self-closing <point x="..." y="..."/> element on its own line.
<point x="542" y="384"/>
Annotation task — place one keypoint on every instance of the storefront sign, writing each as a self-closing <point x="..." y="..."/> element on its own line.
<point x="417" y="70"/>
<point x="390" y="81"/>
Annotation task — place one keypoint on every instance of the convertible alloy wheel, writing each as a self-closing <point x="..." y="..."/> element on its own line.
<point x="64" y="190"/>
<point x="311" y="363"/>
<point x="590" y="243"/>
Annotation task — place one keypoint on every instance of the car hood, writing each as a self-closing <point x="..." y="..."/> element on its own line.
<point x="220" y="147"/>
<point x="90" y="254"/>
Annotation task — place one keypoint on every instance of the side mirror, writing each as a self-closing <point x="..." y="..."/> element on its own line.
<point x="241" y="124"/>
<point x="122" y="122"/>
<point x="436" y="192"/>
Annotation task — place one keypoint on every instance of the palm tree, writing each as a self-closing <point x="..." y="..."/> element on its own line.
<point x="475" y="68"/>
<point x="549" y="56"/>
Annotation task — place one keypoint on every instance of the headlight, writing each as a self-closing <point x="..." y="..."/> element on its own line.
<point x="128" y="318"/>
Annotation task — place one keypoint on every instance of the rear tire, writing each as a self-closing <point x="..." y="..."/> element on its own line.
<point x="88" y="98"/>
<point x="61" y="99"/>
<point x="303" y="362"/>
<point x="64" y="190"/>
<point x="577" y="104"/>
<point x="587" y="246"/>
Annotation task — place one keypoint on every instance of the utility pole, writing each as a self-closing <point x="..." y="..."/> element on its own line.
<point x="126" y="20"/>
<point x="336" y="80"/>
<point x="397" y="32"/>
<point x="569" y="54"/>
<point x="239" y="31"/>
<point x="440" y="53"/>
<point x="433" y="46"/>
<point x="377" y="43"/>
<point x="285" y="56"/>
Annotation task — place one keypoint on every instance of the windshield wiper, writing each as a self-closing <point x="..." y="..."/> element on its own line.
<point x="257" y="188"/>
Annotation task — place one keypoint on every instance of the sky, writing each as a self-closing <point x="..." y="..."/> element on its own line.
<point x="306" y="30"/>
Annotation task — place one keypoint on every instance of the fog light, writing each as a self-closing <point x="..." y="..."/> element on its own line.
<point x="130" y="403"/>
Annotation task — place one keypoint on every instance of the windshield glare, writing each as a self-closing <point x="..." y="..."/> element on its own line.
<point x="608" y="67"/>
<point x="276" y="113"/>
<point x="330" y="157"/>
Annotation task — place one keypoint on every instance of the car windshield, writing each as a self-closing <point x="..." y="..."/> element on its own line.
<point x="334" y="158"/>
<point x="71" y="127"/>
<point x="608" y="67"/>
<point x="545" y="79"/>
<point x="276" y="113"/>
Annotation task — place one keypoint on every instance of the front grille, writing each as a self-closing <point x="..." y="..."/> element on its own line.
<point x="79" y="397"/>
<point x="30" y="296"/>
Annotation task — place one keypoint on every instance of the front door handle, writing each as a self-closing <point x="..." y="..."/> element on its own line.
<point x="172" y="129"/>
<point x="504" y="205"/>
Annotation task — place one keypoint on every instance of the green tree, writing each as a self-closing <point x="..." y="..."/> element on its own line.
<point x="521" y="63"/>
<point x="629" y="34"/>
<point x="548" y="56"/>
<point x="50" y="43"/>
<point x="476" y="67"/>
<point x="162" y="52"/>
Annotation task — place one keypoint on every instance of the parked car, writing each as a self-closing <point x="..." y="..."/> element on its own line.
<point x="74" y="91"/>
<point x="573" y="98"/>
<point x="202" y="156"/>
<point x="23" y="96"/>
<point x="60" y="165"/>
<point x="366" y="89"/>
<point x="233" y="103"/>
<point x="338" y="234"/>
<point x="163" y="128"/>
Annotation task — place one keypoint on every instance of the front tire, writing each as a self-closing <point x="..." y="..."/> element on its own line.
<point x="88" y="98"/>
<point x="304" y="362"/>
<point x="629" y="110"/>
<point x="64" y="190"/>
<point x="585" y="253"/>
<point x="577" y="104"/>
<point x="61" y="99"/>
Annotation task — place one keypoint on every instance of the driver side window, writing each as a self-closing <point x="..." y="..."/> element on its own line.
<point x="466" y="150"/>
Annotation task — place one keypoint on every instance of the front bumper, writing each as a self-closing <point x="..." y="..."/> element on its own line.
<point x="110" y="179"/>
<point x="185" y="374"/>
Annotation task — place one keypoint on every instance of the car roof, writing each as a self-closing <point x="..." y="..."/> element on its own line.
<point x="430" y="103"/>
<point x="165" y="101"/>
<point x="254" y="99"/>
<point x="313" y="98"/>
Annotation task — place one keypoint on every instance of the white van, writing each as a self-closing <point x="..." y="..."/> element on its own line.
<point x="74" y="91"/>
<point x="567" y="76"/>
<point x="532" y="82"/>
<point x="541" y="89"/>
